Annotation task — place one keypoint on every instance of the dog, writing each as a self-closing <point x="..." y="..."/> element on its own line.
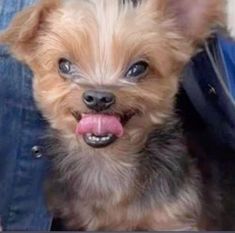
<point x="106" y="73"/>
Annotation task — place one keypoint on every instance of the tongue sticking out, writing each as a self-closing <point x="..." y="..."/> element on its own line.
<point x="100" y="125"/>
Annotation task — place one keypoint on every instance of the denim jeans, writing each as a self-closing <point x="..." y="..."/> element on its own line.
<point x="23" y="165"/>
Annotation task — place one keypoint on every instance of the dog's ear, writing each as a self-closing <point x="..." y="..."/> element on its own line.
<point x="20" y="35"/>
<point x="195" y="18"/>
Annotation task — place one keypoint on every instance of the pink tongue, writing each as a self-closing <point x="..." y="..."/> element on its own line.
<point x="100" y="125"/>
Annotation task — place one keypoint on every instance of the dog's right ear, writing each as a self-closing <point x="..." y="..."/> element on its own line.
<point x="194" y="19"/>
<point x="20" y="35"/>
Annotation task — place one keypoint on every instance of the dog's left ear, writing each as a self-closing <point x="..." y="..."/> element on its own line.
<point x="20" y="35"/>
<point x="194" y="18"/>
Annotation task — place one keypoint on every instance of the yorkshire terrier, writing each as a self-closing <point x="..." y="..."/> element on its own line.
<point x="106" y="76"/>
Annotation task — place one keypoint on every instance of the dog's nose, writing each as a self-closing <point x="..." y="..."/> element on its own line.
<point x="98" y="100"/>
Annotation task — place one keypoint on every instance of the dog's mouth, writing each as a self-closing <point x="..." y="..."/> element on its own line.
<point x="101" y="130"/>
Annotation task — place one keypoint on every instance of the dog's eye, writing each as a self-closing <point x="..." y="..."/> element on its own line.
<point x="137" y="70"/>
<point x="65" y="66"/>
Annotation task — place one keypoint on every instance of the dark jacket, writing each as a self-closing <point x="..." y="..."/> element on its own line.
<point x="209" y="86"/>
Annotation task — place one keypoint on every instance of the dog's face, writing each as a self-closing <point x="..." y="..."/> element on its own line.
<point x="106" y="71"/>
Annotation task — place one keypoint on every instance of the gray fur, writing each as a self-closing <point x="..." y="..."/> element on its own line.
<point x="152" y="179"/>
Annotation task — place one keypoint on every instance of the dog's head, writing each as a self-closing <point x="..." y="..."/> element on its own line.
<point x="106" y="71"/>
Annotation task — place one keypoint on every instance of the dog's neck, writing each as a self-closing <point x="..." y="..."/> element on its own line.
<point x="158" y="174"/>
<point x="163" y="161"/>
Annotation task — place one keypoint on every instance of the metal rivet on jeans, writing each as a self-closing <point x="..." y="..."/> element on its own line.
<point x="212" y="90"/>
<point x="36" y="151"/>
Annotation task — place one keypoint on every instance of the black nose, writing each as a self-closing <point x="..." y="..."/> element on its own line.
<point x="98" y="100"/>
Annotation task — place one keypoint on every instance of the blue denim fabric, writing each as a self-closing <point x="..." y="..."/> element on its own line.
<point x="22" y="166"/>
<point x="228" y="52"/>
<point x="213" y="100"/>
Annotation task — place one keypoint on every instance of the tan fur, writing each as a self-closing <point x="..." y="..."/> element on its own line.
<point x="231" y="17"/>
<point x="103" y="41"/>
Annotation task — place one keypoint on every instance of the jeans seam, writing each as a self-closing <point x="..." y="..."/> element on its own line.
<point x="18" y="155"/>
<point x="10" y="210"/>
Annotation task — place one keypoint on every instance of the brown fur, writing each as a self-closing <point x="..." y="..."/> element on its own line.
<point x="103" y="38"/>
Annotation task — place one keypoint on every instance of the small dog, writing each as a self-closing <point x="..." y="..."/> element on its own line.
<point x="106" y="76"/>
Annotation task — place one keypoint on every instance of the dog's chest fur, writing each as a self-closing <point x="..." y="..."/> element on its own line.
<point x="146" y="190"/>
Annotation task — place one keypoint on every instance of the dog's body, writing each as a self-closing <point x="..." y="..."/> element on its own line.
<point x="156" y="188"/>
<point x="106" y="76"/>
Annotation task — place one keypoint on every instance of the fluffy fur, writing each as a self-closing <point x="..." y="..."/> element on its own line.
<point x="146" y="180"/>
<point x="231" y="17"/>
